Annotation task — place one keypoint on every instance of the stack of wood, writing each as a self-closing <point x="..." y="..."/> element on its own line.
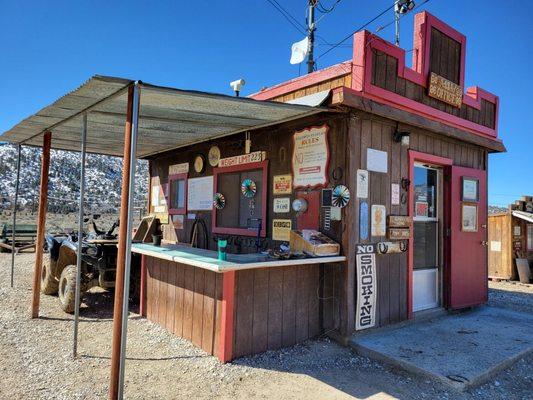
<point x="524" y="204"/>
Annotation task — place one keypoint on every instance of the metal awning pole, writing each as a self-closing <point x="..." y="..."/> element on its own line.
<point x="15" y="205"/>
<point x="80" y="235"/>
<point x="123" y="247"/>
<point x="131" y="191"/>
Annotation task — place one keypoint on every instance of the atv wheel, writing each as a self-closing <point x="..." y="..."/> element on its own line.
<point x="49" y="283"/>
<point x="3" y="249"/>
<point x="67" y="289"/>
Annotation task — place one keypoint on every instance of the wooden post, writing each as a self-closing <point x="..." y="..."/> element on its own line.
<point x="41" y="224"/>
<point x="121" y="255"/>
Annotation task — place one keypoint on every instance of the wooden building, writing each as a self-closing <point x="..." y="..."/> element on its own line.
<point x="387" y="162"/>
<point x="410" y="145"/>
<point x="510" y="236"/>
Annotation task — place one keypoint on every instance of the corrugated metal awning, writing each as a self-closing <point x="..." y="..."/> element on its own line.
<point x="169" y="118"/>
<point x="526" y="216"/>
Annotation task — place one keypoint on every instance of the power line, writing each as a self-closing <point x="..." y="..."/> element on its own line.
<point x="357" y="30"/>
<point x="293" y="21"/>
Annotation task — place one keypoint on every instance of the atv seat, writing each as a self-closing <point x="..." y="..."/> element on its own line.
<point x="53" y="244"/>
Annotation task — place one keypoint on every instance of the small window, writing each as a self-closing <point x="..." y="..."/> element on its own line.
<point x="530" y="237"/>
<point x="177" y="194"/>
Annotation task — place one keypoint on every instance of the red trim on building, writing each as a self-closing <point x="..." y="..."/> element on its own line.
<point x="263" y="165"/>
<point x="416" y="156"/>
<point x="181" y="210"/>
<point x="225" y="352"/>
<point x="301" y="82"/>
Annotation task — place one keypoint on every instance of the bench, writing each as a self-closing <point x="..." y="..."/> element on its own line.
<point x="25" y="235"/>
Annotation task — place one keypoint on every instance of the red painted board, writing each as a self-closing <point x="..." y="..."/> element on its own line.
<point x="468" y="252"/>
<point x="311" y="218"/>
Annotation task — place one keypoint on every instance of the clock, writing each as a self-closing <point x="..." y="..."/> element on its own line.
<point x="199" y="163"/>
<point x="214" y="156"/>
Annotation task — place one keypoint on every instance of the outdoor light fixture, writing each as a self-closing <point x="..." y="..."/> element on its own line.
<point x="403" y="6"/>
<point x="237" y="85"/>
<point x="401" y="137"/>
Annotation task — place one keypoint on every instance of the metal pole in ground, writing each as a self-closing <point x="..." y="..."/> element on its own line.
<point x="127" y="266"/>
<point x="15" y="204"/>
<point x="80" y="235"/>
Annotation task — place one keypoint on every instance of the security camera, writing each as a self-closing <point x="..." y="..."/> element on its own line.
<point x="237" y="85"/>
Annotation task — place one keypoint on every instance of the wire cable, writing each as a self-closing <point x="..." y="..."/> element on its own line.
<point x="293" y="21"/>
<point x="354" y="32"/>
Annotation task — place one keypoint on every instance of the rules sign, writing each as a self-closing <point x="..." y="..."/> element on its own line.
<point x="366" y="287"/>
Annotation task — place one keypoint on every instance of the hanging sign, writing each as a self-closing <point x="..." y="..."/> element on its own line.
<point x="310" y="157"/>
<point x="200" y="193"/>
<point x="444" y="90"/>
<point x="282" y="184"/>
<point x="366" y="286"/>
<point x="378" y="219"/>
<point x="281" y="229"/>
<point x="395" y="194"/>
<point x="399" y="221"/>
<point x="256" y="156"/>
<point x="363" y="220"/>
<point x="376" y="160"/>
<point x="362" y="183"/>
<point x="175" y="169"/>
<point x="399" y="233"/>
<point x="282" y="205"/>
<point x="391" y="247"/>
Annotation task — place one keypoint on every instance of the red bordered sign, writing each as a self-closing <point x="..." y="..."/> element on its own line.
<point x="310" y="157"/>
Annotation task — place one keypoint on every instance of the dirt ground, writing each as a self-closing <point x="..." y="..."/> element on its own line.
<point x="36" y="360"/>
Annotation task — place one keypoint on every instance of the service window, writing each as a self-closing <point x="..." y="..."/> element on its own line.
<point x="177" y="194"/>
<point x="530" y="237"/>
<point x="243" y="189"/>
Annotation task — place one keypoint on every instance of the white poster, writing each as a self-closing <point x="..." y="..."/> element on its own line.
<point x="200" y="193"/>
<point x="362" y="183"/>
<point x="282" y="205"/>
<point x="366" y="287"/>
<point x="310" y="157"/>
<point x="376" y="160"/>
<point x="395" y="194"/>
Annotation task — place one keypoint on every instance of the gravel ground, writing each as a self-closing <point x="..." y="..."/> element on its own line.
<point x="36" y="360"/>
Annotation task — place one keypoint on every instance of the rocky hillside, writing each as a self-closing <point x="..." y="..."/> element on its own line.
<point x="103" y="180"/>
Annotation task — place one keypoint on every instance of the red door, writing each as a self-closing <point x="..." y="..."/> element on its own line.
<point x="467" y="272"/>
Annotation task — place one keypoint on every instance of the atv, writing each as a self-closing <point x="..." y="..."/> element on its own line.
<point x="98" y="265"/>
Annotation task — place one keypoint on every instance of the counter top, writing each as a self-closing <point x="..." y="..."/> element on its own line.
<point x="208" y="259"/>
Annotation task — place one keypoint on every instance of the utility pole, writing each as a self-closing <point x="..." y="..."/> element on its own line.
<point x="311" y="35"/>
<point x="397" y="22"/>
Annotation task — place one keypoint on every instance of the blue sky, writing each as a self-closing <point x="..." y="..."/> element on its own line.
<point x="49" y="48"/>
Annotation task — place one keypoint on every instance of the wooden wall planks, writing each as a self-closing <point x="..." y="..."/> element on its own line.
<point x="385" y="76"/>
<point x="275" y="307"/>
<point x="370" y="131"/>
<point x="185" y="301"/>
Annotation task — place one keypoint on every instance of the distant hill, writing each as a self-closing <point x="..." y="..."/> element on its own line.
<point x="103" y="174"/>
<point x="497" y="209"/>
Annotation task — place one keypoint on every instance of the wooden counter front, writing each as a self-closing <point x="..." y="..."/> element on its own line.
<point x="267" y="308"/>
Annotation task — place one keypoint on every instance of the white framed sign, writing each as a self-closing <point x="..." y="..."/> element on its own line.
<point x="200" y="193"/>
<point x="282" y="205"/>
<point x="310" y="157"/>
<point x="362" y="184"/>
<point x="376" y="160"/>
<point x="366" y="287"/>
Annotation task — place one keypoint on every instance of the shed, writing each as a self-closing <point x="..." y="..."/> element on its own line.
<point x="390" y="172"/>
<point x="510" y="237"/>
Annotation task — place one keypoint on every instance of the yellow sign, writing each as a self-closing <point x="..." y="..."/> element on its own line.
<point x="282" y="184"/>
<point x="444" y="90"/>
<point x="281" y="229"/>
